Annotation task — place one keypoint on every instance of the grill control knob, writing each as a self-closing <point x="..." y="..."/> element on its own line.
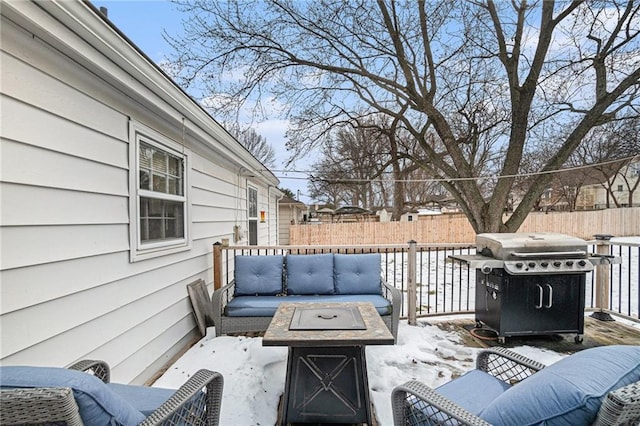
<point x="582" y="263"/>
<point x="544" y="264"/>
<point x="519" y="265"/>
<point x="569" y="262"/>
<point x="532" y="264"/>
<point x="557" y="264"/>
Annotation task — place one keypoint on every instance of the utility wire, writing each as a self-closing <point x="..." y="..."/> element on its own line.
<point x="355" y="180"/>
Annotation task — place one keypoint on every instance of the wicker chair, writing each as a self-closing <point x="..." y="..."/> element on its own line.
<point x="621" y="406"/>
<point x="197" y="402"/>
<point x="463" y="401"/>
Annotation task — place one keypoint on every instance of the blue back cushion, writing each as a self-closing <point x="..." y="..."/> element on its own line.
<point x="258" y="275"/>
<point x="310" y="274"/>
<point x="98" y="405"/>
<point x="357" y="273"/>
<point x="568" y="392"/>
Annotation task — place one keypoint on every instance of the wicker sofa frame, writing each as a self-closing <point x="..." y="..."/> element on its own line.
<point x="226" y="325"/>
<point x="619" y="407"/>
<point x="57" y="405"/>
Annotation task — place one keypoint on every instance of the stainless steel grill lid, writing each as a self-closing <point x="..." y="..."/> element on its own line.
<point x="518" y="246"/>
<point x="533" y="253"/>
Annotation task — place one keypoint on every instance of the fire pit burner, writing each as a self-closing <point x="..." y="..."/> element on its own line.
<point x="347" y="318"/>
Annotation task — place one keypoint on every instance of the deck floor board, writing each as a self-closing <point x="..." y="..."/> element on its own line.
<point x="596" y="333"/>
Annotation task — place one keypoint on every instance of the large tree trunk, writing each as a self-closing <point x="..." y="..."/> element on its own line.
<point x="398" y="196"/>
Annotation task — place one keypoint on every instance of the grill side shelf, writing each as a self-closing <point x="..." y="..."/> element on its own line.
<point x="477" y="261"/>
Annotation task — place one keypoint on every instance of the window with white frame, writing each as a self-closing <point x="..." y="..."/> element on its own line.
<point x="158" y="195"/>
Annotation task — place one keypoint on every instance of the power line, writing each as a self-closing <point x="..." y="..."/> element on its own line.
<point x="358" y="180"/>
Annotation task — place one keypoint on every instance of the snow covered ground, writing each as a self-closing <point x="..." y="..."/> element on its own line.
<point x="254" y="375"/>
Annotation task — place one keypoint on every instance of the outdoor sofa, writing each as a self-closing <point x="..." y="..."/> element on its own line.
<point x="261" y="283"/>
<point x="83" y="394"/>
<point x="599" y="386"/>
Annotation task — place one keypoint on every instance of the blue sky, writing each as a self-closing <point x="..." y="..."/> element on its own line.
<point x="146" y="33"/>
<point x="144" y="21"/>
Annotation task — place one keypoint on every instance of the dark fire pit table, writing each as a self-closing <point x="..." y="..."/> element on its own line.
<point x="326" y="369"/>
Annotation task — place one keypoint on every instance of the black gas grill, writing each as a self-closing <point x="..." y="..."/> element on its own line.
<point x="530" y="283"/>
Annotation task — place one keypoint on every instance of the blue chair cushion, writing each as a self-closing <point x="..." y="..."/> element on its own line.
<point x="266" y="306"/>
<point x="568" y="392"/>
<point x="258" y="275"/>
<point x="147" y="399"/>
<point x="486" y="389"/>
<point x="357" y="273"/>
<point x="310" y="274"/>
<point x="98" y="405"/>
<point x="473" y="391"/>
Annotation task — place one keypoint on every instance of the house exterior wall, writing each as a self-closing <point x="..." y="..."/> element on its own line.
<point x="287" y="218"/>
<point x="384" y="215"/>
<point x="71" y="87"/>
<point x="291" y="213"/>
<point x="586" y="199"/>
<point x="595" y="196"/>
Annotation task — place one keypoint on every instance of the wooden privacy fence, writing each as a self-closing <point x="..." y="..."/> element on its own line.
<point x="455" y="228"/>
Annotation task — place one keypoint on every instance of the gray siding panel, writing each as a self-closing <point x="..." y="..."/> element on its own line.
<point x="59" y="134"/>
<point x="100" y="314"/>
<point x="38" y="284"/>
<point x="32" y="165"/>
<point x="33" y="245"/>
<point x="37" y="205"/>
<point x="29" y="83"/>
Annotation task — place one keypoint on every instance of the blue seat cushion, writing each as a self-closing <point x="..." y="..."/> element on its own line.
<point x="266" y="306"/>
<point x="473" y="391"/>
<point x="98" y="405"/>
<point x="568" y="392"/>
<point x="357" y="273"/>
<point x="310" y="274"/>
<point x="147" y="399"/>
<point x="486" y="389"/>
<point x="258" y="275"/>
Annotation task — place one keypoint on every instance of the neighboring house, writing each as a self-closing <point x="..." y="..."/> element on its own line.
<point x="115" y="185"/>
<point x="612" y="184"/>
<point x="385" y="214"/>
<point x="624" y="186"/>
<point x="409" y="215"/>
<point x="424" y="213"/>
<point x="451" y="207"/>
<point x="292" y="212"/>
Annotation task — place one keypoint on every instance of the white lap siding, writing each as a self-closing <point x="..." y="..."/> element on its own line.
<point x="69" y="289"/>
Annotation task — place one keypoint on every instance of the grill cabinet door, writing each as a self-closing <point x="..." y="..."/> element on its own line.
<point x="544" y="304"/>
<point x="520" y="305"/>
